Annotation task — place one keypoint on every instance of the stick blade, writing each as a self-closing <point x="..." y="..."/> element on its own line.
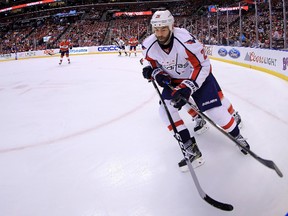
<point x="273" y="166"/>
<point x="220" y="205"/>
<point x="277" y="170"/>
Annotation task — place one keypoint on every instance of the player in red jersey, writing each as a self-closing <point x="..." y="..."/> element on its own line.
<point x="133" y="42"/>
<point x="65" y="45"/>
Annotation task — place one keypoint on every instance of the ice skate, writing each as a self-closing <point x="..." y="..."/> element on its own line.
<point x="200" y="125"/>
<point x="193" y="153"/>
<point x="242" y="141"/>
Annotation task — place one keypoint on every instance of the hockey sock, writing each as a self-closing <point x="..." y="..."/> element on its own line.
<point x="235" y="132"/>
<point x="185" y="135"/>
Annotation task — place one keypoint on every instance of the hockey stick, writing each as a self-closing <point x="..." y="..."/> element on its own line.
<point x="268" y="163"/>
<point x="50" y="54"/>
<point x="211" y="201"/>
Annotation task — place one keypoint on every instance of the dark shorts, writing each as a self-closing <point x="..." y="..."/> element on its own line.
<point x="206" y="97"/>
<point x="132" y="47"/>
<point x="64" y="52"/>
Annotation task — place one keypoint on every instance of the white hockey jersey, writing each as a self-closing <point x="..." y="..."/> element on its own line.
<point x="186" y="59"/>
<point x="118" y="42"/>
<point x="121" y="42"/>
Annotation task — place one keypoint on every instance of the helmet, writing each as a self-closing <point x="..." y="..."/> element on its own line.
<point x="162" y="18"/>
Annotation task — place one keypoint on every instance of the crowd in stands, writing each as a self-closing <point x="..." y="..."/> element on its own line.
<point x="92" y="25"/>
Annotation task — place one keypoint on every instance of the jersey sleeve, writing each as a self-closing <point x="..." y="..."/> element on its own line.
<point x="146" y="46"/>
<point x="198" y="59"/>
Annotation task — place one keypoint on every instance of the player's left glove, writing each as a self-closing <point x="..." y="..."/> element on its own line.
<point x="182" y="92"/>
<point x="161" y="77"/>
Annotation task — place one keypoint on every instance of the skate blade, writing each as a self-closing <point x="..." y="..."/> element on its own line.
<point x="196" y="163"/>
<point x="202" y="130"/>
<point x="243" y="151"/>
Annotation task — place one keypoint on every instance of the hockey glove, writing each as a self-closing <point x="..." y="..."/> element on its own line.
<point x="161" y="77"/>
<point x="147" y="71"/>
<point x="182" y="92"/>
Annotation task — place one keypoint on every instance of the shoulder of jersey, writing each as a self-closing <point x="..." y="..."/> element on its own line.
<point x="148" y="41"/>
<point x="183" y="35"/>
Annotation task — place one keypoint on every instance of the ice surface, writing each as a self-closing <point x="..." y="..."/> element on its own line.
<point x="86" y="140"/>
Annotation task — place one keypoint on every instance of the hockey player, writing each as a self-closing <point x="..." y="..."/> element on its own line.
<point x="133" y="42"/>
<point x="65" y="45"/>
<point x="14" y="50"/>
<point x="176" y="58"/>
<point x="121" y="45"/>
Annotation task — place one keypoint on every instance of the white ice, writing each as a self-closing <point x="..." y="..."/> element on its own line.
<point x="86" y="140"/>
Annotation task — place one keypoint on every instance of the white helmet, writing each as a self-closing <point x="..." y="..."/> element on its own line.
<point x="162" y="18"/>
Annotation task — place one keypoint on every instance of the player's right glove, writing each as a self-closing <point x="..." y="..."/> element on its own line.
<point x="147" y="71"/>
<point x="161" y="77"/>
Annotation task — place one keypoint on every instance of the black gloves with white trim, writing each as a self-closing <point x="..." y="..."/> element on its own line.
<point x="182" y="92"/>
<point x="157" y="74"/>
